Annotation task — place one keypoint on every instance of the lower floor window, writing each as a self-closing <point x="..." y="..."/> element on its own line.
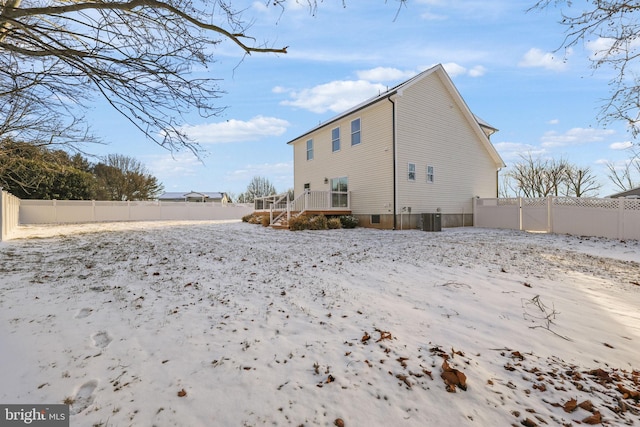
<point x="375" y="219"/>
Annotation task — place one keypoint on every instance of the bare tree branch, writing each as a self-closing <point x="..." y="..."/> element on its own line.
<point x="613" y="27"/>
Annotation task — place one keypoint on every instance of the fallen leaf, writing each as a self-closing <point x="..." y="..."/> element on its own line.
<point x="596" y="418"/>
<point x="182" y="393"/>
<point x="338" y="422"/>
<point x="570" y="406"/>
<point x="529" y="423"/>
<point x="366" y="337"/>
<point x="404" y="379"/>
<point x="586" y="405"/>
<point x="453" y="377"/>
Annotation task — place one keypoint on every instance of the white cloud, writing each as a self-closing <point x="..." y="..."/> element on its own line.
<point x="384" y="74"/>
<point x="279" y="174"/>
<point x="603" y="47"/>
<point x="537" y="58"/>
<point x="336" y="96"/>
<point x="173" y="165"/>
<point x="621" y="145"/>
<point x="511" y="151"/>
<point x="429" y="16"/>
<point x="575" y="136"/>
<point x="454" y="69"/>
<point x="477" y="71"/>
<point x="236" y="130"/>
<point x="553" y="121"/>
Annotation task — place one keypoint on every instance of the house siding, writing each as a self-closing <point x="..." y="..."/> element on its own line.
<point x="368" y="165"/>
<point x="433" y="127"/>
<point x="432" y="130"/>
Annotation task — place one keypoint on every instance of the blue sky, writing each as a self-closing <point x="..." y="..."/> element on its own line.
<point x="502" y="59"/>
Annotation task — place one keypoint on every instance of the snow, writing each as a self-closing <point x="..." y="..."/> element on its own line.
<point x="223" y="324"/>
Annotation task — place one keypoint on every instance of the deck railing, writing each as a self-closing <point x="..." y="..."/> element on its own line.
<point x="280" y="205"/>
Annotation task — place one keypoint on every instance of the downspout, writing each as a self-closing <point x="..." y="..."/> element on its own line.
<point x="393" y="145"/>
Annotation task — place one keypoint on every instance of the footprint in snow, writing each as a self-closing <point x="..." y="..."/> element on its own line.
<point x="83" y="397"/>
<point x="101" y="339"/>
<point x="83" y="312"/>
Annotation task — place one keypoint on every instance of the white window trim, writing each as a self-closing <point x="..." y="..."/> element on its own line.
<point x="431" y="175"/>
<point x="359" y="131"/>
<point x="409" y="178"/>
<point x="338" y="139"/>
<point x="309" y="150"/>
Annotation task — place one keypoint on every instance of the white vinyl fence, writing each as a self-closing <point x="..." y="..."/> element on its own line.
<point x="79" y="211"/>
<point x="9" y="211"/>
<point x="611" y="218"/>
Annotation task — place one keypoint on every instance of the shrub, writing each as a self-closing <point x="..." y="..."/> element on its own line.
<point x="348" y="221"/>
<point x="247" y="218"/>
<point x="318" y="222"/>
<point x="334" y="223"/>
<point x="300" y="222"/>
<point x="265" y="220"/>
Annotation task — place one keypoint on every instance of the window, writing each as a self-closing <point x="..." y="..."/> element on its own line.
<point x="335" y="139"/>
<point x="310" y="149"/>
<point x="375" y="219"/>
<point x="339" y="192"/>
<point x="355" y="132"/>
<point x="411" y="172"/>
<point x="430" y="175"/>
<point x="307" y="186"/>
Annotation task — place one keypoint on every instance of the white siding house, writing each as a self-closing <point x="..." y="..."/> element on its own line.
<point x="414" y="149"/>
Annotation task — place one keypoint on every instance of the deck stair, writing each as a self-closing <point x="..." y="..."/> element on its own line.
<point x="281" y="209"/>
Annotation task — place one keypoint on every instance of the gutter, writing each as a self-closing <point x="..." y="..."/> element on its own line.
<point x="393" y="145"/>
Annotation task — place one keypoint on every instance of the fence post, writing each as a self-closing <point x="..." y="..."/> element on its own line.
<point x="2" y="217"/>
<point x="620" y="201"/>
<point x="520" y="213"/>
<point x="549" y="214"/>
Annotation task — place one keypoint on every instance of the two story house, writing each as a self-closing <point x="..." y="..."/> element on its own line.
<point x="416" y="148"/>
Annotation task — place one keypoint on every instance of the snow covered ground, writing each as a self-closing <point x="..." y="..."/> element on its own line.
<point x="231" y="324"/>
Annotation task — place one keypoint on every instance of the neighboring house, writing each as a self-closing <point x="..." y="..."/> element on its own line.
<point x="634" y="193"/>
<point x="194" y="196"/>
<point x="414" y="149"/>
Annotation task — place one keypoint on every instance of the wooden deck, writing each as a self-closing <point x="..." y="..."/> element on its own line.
<point x="280" y="208"/>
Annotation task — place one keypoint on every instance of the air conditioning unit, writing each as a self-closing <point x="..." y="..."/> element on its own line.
<point x="431" y="222"/>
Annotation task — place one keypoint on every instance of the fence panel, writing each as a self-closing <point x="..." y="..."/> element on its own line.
<point x="78" y="211"/>
<point x="9" y="214"/>
<point x="586" y="216"/>
<point x="497" y="213"/>
<point x="610" y="218"/>
<point x="535" y="214"/>
<point x="631" y="219"/>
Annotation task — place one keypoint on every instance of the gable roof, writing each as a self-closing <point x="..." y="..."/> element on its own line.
<point x="477" y="123"/>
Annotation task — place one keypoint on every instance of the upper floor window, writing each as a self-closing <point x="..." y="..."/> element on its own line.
<point x="411" y="172"/>
<point x="309" y="149"/>
<point x="430" y="175"/>
<point x="335" y="139"/>
<point x="355" y="132"/>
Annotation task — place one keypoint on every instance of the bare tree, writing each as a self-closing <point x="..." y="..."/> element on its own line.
<point x="139" y="55"/>
<point x="258" y="187"/>
<point x="537" y="177"/>
<point x="580" y="182"/>
<point x="627" y="175"/>
<point x="121" y="177"/>
<point x="613" y="26"/>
